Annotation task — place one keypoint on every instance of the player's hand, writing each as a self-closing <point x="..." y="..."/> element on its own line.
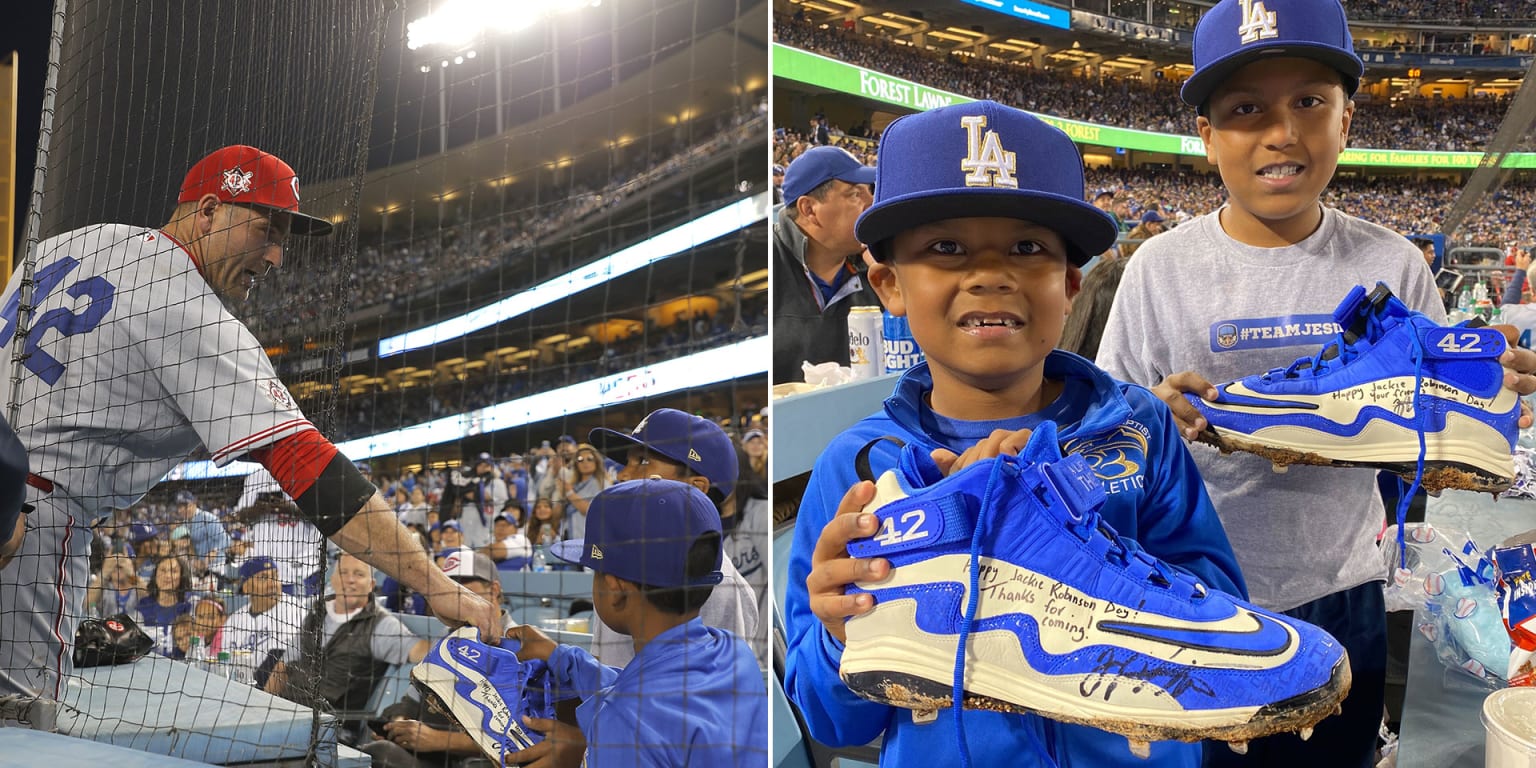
<point x="1520" y="376"/>
<point x="455" y="605"/>
<point x="832" y="570"/>
<point x="416" y="736"/>
<point x="563" y="746"/>
<point x="1001" y="442"/>
<point x="535" y="644"/>
<point x="12" y="544"/>
<point x="1172" y="390"/>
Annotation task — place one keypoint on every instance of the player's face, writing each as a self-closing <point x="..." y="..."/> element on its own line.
<point x="241" y="246"/>
<point x="986" y="299"/>
<point x="1274" y="130"/>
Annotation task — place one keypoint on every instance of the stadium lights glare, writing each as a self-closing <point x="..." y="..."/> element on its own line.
<point x="718" y="223"/>
<point x="460" y="22"/>
<point x="734" y="361"/>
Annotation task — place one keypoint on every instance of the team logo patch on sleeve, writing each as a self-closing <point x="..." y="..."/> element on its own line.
<point x="278" y="394"/>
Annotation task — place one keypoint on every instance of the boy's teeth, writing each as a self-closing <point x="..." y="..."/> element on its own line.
<point x="1280" y="171"/>
<point x="979" y="322"/>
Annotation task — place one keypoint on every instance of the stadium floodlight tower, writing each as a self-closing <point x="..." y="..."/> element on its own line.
<point x="458" y="25"/>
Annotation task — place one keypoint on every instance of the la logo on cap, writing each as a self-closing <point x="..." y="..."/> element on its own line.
<point x="1258" y="22"/>
<point x="237" y="181"/>
<point x="694" y="455"/>
<point x="986" y="163"/>
<point x="597" y="554"/>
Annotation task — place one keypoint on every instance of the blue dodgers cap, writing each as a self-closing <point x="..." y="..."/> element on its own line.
<point x="254" y="566"/>
<point x="819" y="165"/>
<point x="139" y="531"/>
<point x="641" y="531"/>
<point x="1151" y="216"/>
<point x="1235" y="33"/>
<point x="694" y="441"/>
<point x="185" y="497"/>
<point x="961" y="161"/>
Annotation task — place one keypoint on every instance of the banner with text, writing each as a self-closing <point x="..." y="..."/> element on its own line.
<point x="815" y="69"/>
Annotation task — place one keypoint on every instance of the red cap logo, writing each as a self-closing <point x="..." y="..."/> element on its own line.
<point x="114" y="625"/>
<point x="247" y="175"/>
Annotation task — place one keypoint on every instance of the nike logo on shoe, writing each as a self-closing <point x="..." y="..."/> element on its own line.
<point x="1267" y="638"/>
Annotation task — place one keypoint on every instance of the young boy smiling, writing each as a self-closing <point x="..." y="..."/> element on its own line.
<point x="980" y="247"/>
<point x="1221" y="297"/>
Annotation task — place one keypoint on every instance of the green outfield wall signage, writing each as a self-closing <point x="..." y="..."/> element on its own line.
<point x="815" y="69"/>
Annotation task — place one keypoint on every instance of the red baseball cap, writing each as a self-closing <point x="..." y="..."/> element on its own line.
<point x="249" y="176"/>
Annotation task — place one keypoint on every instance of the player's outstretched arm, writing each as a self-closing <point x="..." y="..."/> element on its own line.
<point x="376" y="536"/>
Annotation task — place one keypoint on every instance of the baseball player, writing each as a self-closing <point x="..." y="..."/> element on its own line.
<point x="130" y="363"/>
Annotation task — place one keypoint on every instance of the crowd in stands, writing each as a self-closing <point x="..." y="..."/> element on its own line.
<point x="380" y="411"/>
<point x="396" y="271"/>
<point x="1422" y="124"/>
<point x="1480" y="11"/>
<point x="182" y="568"/>
<point x="1402" y="204"/>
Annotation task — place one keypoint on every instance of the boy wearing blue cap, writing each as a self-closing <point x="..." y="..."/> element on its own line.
<point x="818" y="276"/>
<point x="981" y="249"/>
<point x="693" y="695"/>
<point x="675" y="445"/>
<point x="1272" y="87"/>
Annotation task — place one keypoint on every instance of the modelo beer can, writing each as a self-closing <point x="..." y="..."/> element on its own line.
<point x="865" y="342"/>
<point x="900" y="350"/>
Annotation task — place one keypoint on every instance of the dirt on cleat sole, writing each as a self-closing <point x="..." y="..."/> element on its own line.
<point x="1438" y="475"/>
<point x="1294" y="714"/>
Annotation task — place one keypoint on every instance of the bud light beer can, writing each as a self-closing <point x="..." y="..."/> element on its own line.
<point x="864" y="342"/>
<point x="901" y="351"/>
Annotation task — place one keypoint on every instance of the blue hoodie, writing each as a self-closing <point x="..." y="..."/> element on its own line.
<point x="1155" y="497"/>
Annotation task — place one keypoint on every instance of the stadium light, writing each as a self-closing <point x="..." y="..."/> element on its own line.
<point x="459" y="22"/>
<point x="718" y="223"/>
<point x="733" y="361"/>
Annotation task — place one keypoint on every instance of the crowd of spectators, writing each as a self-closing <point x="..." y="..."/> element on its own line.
<point x="396" y="270"/>
<point x="1421" y="124"/>
<point x="1480" y="12"/>
<point x="379" y="410"/>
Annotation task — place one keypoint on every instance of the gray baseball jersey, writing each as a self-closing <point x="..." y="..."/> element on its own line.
<point x="275" y="629"/>
<point x="132" y="365"/>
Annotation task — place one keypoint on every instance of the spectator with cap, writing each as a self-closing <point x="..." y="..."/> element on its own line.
<point x="819" y="275"/>
<point x="277" y="530"/>
<point x="484" y="494"/>
<point x="450" y="536"/>
<point x="147" y="547"/>
<point x="692" y="695"/>
<point x="268" y="625"/>
<point x="209" y="539"/>
<point x="346" y="644"/>
<point x="1152" y="223"/>
<point x="418" y="736"/>
<point x="510" y="548"/>
<point x="672" y="445"/>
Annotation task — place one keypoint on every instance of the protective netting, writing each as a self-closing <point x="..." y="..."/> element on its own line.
<point x="548" y="219"/>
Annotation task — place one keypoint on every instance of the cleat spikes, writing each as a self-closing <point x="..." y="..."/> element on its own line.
<point x="1240" y="747"/>
<point x="1141" y="749"/>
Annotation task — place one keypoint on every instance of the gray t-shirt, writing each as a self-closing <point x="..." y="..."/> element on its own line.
<point x="1194" y="299"/>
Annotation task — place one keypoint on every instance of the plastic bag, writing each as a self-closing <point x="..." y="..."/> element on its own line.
<point x="1455" y="588"/>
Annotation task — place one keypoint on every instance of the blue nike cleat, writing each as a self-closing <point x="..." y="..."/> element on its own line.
<point x="1394" y="391"/>
<point x="1007" y="565"/>
<point x="486" y="689"/>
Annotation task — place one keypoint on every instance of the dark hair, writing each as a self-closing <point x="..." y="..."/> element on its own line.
<point x="703" y="555"/>
<point x="818" y="193"/>
<point x="183" y="585"/>
<point x="1090" y="309"/>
